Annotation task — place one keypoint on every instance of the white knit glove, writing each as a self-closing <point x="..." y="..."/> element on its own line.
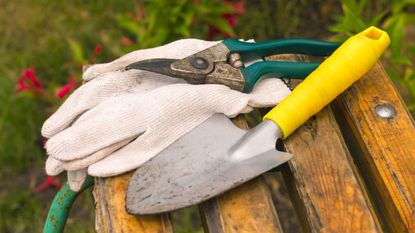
<point x="152" y="121"/>
<point x="107" y="80"/>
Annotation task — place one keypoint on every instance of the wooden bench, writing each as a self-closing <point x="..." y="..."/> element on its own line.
<point x="353" y="171"/>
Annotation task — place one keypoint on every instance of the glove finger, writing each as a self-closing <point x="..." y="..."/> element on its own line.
<point x="53" y="166"/>
<point x="113" y="121"/>
<point x="268" y="92"/>
<point x="86" y="97"/>
<point x="76" y="179"/>
<point x="95" y="157"/>
<point x="126" y="159"/>
<point x="175" y="50"/>
<point x="99" y="90"/>
<point x="170" y="125"/>
<point x="146" y="146"/>
<point x="148" y="81"/>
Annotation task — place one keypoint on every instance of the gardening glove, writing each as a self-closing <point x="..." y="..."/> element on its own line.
<point x="151" y="122"/>
<point x="109" y="80"/>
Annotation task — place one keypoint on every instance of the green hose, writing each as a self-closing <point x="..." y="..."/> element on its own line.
<point x="61" y="205"/>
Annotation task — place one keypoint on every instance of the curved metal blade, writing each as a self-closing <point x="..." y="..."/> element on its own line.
<point x="160" y="66"/>
<point x="201" y="165"/>
<point x="164" y="66"/>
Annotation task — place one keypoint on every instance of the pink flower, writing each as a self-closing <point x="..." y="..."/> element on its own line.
<point x="64" y="90"/>
<point x="231" y="19"/>
<point x="50" y="181"/>
<point x="98" y="49"/>
<point x="126" y="41"/>
<point x="28" y="81"/>
<point x="239" y="8"/>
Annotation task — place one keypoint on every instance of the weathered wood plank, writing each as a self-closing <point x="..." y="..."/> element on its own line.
<point x="384" y="148"/>
<point x="109" y="194"/>
<point x="282" y="201"/>
<point x="322" y="181"/>
<point x="247" y="208"/>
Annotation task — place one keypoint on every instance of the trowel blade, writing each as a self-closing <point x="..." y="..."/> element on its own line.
<point x="205" y="162"/>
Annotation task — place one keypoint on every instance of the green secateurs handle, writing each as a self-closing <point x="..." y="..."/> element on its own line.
<point x="299" y="70"/>
<point x="61" y="205"/>
<point x="224" y="63"/>
<point x="281" y="46"/>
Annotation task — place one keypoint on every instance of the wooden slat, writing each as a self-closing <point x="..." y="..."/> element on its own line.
<point x="247" y="208"/>
<point x="282" y="202"/>
<point x="384" y="149"/>
<point x="322" y="181"/>
<point x="109" y="194"/>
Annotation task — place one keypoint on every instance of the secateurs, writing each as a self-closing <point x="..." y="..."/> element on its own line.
<point x="224" y="62"/>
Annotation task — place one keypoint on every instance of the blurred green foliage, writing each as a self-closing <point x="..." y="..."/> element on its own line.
<point x="271" y="19"/>
<point x="37" y="33"/>
<point x="159" y="22"/>
<point x="20" y="118"/>
<point x="395" y="17"/>
<point x="22" y="212"/>
<point x="22" y="208"/>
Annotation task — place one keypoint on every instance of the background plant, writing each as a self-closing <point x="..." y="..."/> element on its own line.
<point x="154" y="23"/>
<point x="397" y="17"/>
<point x="37" y="34"/>
<point x="270" y="19"/>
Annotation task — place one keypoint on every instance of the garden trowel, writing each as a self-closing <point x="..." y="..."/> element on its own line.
<point x="217" y="156"/>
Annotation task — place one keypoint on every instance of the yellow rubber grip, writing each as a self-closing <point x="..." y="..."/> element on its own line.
<point x="347" y="64"/>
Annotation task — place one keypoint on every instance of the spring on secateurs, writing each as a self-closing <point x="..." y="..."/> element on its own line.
<point x="287" y="82"/>
<point x="235" y="60"/>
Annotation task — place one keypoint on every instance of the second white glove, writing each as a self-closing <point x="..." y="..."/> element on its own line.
<point x="152" y="121"/>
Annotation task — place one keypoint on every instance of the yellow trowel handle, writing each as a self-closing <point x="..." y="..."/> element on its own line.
<point x="346" y="65"/>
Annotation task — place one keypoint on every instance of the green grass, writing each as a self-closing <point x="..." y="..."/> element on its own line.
<point x="37" y="33"/>
<point x="20" y="144"/>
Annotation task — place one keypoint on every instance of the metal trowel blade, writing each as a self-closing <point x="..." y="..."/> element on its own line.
<point x="212" y="158"/>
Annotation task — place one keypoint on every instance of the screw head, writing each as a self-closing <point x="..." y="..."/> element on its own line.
<point x="385" y="111"/>
<point x="199" y="63"/>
